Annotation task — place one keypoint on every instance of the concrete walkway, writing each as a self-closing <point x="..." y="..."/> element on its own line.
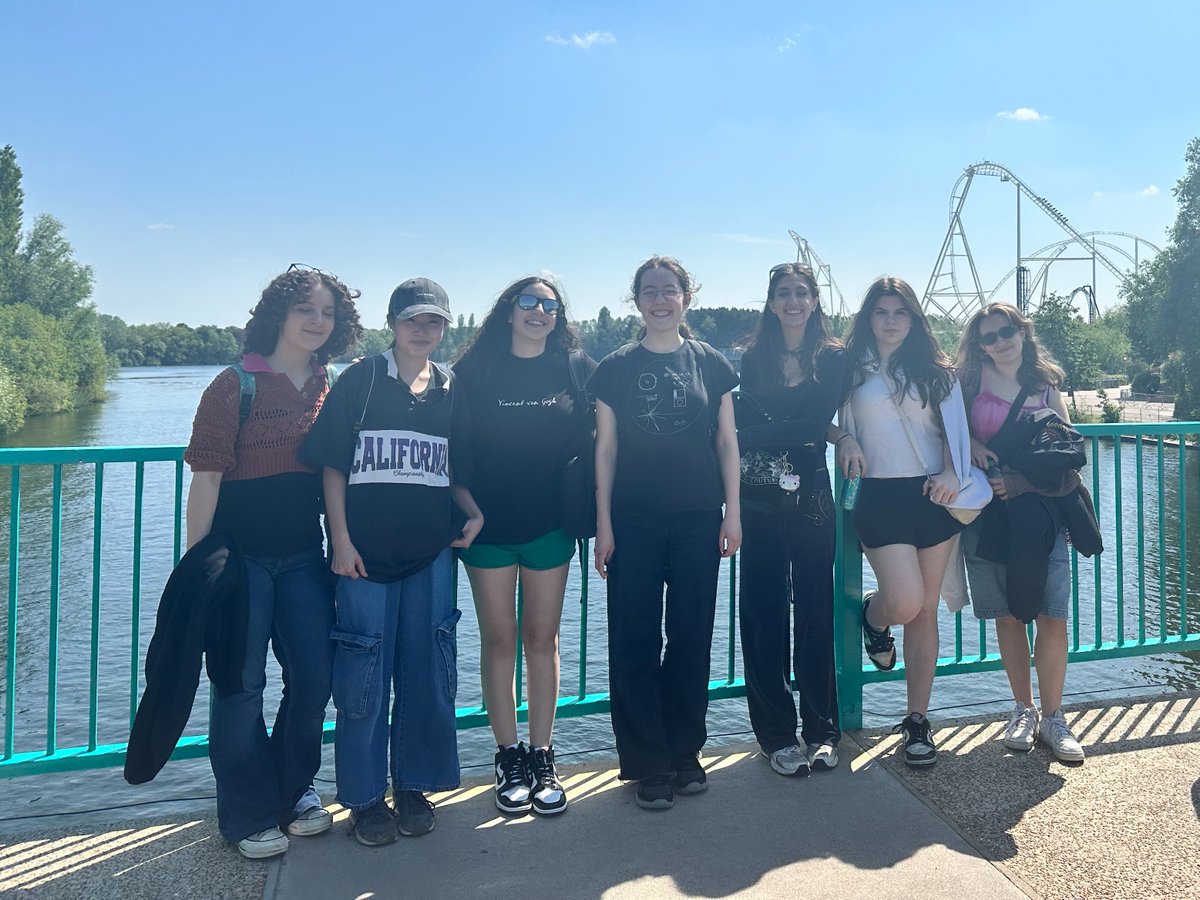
<point x="982" y="823"/>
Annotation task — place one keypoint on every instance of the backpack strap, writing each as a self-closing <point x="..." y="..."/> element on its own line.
<point x="577" y="366"/>
<point x="246" y="380"/>
<point x="707" y="371"/>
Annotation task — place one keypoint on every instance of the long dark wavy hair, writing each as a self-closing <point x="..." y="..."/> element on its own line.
<point x="918" y="362"/>
<point x="295" y="286"/>
<point x="1037" y="369"/>
<point x="763" y="360"/>
<point x="493" y="340"/>
<point x="687" y="283"/>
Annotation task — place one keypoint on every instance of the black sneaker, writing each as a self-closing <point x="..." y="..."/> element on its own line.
<point x="414" y="813"/>
<point x="689" y="776"/>
<point x="548" y="797"/>
<point x="513" y="794"/>
<point x="919" y="749"/>
<point x="374" y="826"/>
<point x="881" y="649"/>
<point x="655" y="792"/>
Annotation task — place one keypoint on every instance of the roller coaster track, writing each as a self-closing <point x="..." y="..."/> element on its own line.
<point x="835" y="304"/>
<point x="945" y="296"/>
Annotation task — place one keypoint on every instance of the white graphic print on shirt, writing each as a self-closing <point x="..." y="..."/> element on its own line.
<point x="394" y="457"/>
<point x="666" y="400"/>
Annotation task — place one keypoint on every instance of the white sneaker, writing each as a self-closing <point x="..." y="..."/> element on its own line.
<point x="1055" y="734"/>
<point x="791" y="760"/>
<point x="313" y="820"/>
<point x="262" y="844"/>
<point x="1022" y="728"/>
<point x="822" y="756"/>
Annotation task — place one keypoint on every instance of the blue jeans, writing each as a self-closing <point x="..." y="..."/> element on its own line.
<point x="262" y="781"/>
<point x="400" y="636"/>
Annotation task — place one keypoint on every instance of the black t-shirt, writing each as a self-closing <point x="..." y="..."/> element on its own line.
<point x="399" y="466"/>
<point x="782" y="429"/>
<point x="666" y="409"/>
<point x="523" y="412"/>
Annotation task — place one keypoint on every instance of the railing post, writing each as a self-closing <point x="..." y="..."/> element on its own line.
<point x="847" y="627"/>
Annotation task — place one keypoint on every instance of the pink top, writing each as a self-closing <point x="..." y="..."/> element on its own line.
<point x="988" y="412"/>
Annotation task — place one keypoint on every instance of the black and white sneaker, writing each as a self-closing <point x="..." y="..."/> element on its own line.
<point x="881" y="648"/>
<point x="919" y="748"/>
<point x="548" y="796"/>
<point x="513" y="794"/>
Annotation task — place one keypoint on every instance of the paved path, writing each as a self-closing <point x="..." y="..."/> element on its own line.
<point x="982" y="823"/>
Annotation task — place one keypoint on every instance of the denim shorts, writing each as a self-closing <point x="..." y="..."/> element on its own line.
<point x="551" y="550"/>
<point x="989" y="597"/>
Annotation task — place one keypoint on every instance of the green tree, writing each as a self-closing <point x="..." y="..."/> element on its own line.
<point x="1164" y="297"/>
<point x="1062" y="332"/>
<point x="12" y="199"/>
<point x="47" y="276"/>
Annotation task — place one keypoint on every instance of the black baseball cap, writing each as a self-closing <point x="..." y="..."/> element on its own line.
<point x="418" y="296"/>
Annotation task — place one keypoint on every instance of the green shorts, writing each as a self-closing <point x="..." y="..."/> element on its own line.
<point x="549" y="551"/>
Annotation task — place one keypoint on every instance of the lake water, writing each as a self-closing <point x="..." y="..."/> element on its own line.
<point x="155" y="406"/>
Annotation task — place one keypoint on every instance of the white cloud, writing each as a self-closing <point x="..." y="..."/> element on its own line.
<point x="586" y="42"/>
<point x="161" y="226"/>
<point x="788" y="44"/>
<point x="1023" y="114"/>
<point x="751" y="239"/>
<point x="1149" y="190"/>
<point x="1097" y="195"/>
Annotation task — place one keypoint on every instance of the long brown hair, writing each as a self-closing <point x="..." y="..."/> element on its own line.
<point x="763" y="361"/>
<point x="1037" y="368"/>
<point x="918" y="362"/>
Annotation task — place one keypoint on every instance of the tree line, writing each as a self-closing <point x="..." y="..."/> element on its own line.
<point x="57" y="351"/>
<point x="52" y="355"/>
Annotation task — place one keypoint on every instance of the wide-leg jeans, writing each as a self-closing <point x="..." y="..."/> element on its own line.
<point x="660" y="698"/>
<point x="396" y="638"/>
<point x="787" y="560"/>
<point x="262" y="781"/>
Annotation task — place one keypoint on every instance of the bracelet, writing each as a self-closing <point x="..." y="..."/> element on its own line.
<point x="842" y="438"/>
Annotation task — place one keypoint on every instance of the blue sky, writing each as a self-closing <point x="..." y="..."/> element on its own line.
<point x="194" y="150"/>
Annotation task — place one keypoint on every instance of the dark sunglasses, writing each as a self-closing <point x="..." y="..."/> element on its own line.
<point x="986" y="340"/>
<point x="549" y="305"/>
<point x="792" y="268"/>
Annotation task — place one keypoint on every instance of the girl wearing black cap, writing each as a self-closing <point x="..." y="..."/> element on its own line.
<point x="523" y="374"/>
<point x="666" y="463"/>
<point x="392" y="441"/>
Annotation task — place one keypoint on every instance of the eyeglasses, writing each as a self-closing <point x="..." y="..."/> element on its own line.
<point x="549" y="305"/>
<point x="304" y="267"/>
<point x="668" y="293"/>
<point x="1004" y="333"/>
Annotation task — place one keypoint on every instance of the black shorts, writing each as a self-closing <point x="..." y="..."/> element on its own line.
<point x="895" y="511"/>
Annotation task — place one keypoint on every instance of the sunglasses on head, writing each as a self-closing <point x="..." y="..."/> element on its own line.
<point x="1004" y="333"/>
<point x="528" y="301"/>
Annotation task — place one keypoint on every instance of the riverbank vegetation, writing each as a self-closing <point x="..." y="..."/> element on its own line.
<point x="52" y="356"/>
<point x="56" y="350"/>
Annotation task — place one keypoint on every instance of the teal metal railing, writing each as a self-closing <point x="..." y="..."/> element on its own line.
<point x="1115" y="613"/>
<point x="1102" y="602"/>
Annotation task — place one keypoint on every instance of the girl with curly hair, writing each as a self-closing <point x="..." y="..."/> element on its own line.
<point x="249" y="484"/>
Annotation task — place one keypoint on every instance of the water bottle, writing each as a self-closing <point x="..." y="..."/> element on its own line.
<point x="850" y="491"/>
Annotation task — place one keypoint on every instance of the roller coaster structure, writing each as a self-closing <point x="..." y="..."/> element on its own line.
<point x="948" y="295"/>
<point x="835" y="304"/>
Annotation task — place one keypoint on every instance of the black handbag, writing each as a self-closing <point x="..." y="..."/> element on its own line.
<point x="579" y="470"/>
<point x="1040" y="447"/>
